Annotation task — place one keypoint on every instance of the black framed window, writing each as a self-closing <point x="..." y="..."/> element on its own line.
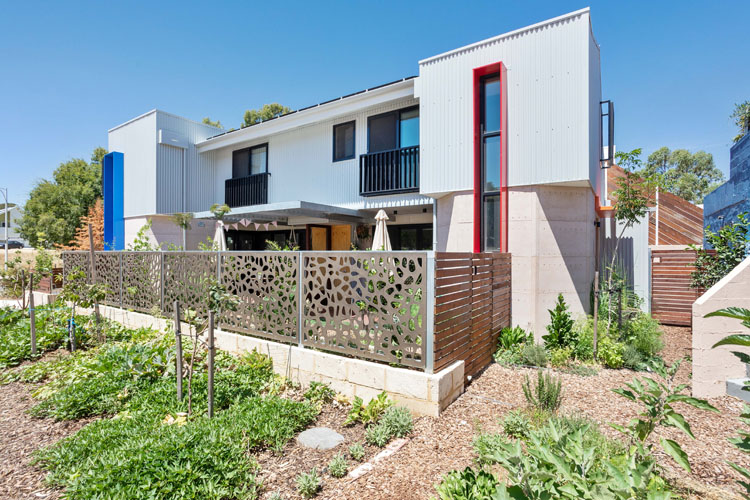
<point x="343" y="141"/>
<point x="410" y="236"/>
<point x="250" y="161"/>
<point x="490" y="151"/>
<point x="393" y="130"/>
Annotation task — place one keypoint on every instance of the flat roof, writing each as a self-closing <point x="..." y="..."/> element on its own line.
<point x="285" y="209"/>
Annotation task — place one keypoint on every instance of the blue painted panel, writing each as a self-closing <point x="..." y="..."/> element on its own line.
<point x="112" y="189"/>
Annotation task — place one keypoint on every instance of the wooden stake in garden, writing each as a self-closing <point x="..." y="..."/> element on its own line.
<point x="32" y="314"/>
<point x="92" y="256"/>
<point x="210" y="364"/>
<point x="596" y="310"/>
<point x="178" y="347"/>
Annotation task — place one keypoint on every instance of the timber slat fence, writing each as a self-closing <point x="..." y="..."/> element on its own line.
<point x="422" y="310"/>
<point x="671" y="296"/>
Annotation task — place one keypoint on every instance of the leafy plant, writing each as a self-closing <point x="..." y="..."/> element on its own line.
<point x="516" y="424"/>
<point x="741" y="117"/>
<point x="219" y="211"/>
<point x="632" y="358"/>
<point x="369" y="414"/>
<point x="142" y="240"/>
<point x="377" y="435"/>
<point x="560" y="330"/>
<point x="534" y="355"/>
<point x="546" y="394"/>
<point x="338" y="467"/>
<point x="730" y="244"/>
<point x="560" y="356"/>
<point x="658" y="398"/>
<point x="319" y="394"/>
<point x="396" y="422"/>
<point x="471" y="485"/>
<point x="510" y="337"/>
<point x="610" y="352"/>
<point x="308" y="483"/>
<point x="643" y="333"/>
<point x="357" y="451"/>
<point x="581" y="370"/>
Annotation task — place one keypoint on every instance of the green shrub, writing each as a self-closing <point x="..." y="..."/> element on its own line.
<point x="644" y="334"/>
<point x="369" y="414"/>
<point x="276" y="495"/>
<point x="584" y="330"/>
<point x="581" y="370"/>
<point x="610" y="352"/>
<point x="560" y="356"/>
<point x="508" y="357"/>
<point x="486" y="445"/>
<point x="632" y="358"/>
<point x="308" y="483"/>
<point x="396" y="422"/>
<point x="546" y="394"/>
<point x="319" y="394"/>
<point x="469" y="485"/>
<point x="560" y="331"/>
<point x="593" y="438"/>
<point x="357" y="451"/>
<point x="516" y="424"/>
<point x="511" y="337"/>
<point x="338" y="467"/>
<point x="15" y="334"/>
<point x="534" y="355"/>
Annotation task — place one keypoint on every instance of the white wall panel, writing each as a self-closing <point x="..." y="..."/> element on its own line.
<point x="548" y="106"/>
<point x="301" y="165"/>
<point x="595" y="121"/>
<point x="136" y="140"/>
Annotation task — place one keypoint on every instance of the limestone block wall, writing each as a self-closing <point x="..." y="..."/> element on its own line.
<point x="713" y="367"/>
<point x="551" y="235"/>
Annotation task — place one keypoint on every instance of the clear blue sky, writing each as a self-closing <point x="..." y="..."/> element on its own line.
<point x="72" y="70"/>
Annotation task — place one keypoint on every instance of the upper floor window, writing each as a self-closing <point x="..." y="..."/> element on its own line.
<point x="393" y="130"/>
<point x="343" y="141"/>
<point x="250" y="161"/>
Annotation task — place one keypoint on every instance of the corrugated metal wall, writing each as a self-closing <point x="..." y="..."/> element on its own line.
<point x="199" y="171"/>
<point x="302" y="168"/>
<point x="595" y="121"/>
<point x="633" y="256"/>
<point x="548" y="107"/>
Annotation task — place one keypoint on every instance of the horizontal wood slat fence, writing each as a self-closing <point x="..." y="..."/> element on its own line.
<point x="671" y="296"/>
<point x="472" y="305"/>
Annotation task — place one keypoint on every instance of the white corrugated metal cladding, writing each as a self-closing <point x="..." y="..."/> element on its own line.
<point x="153" y="171"/>
<point x="550" y="96"/>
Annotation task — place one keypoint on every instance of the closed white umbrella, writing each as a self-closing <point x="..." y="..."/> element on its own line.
<point x="220" y="242"/>
<point x="381" y="241"/>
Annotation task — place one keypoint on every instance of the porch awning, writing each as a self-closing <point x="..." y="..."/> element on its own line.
<point x="294" y="213"/>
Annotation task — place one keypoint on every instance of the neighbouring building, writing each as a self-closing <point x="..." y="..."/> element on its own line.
<point x="15" y="214"/>
<point x="722" y="205"/>
<point x="495" y="146"/>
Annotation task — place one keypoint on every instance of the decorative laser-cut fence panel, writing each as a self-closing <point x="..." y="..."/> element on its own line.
<point x="108" y="273"/>
<point x="472" y="305"/>
<point x="187" y="278"/>
<point x="366" y="304"/>
<point x="141" y="280"/>
<point x="266" y="285"/>
<point x="74" y="261"/>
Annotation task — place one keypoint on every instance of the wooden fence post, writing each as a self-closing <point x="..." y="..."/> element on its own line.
<point x="596" y="310"/>
<point x="210" y="364"/>
<point x="178" y="340"/>
<point x="32" y="314"/>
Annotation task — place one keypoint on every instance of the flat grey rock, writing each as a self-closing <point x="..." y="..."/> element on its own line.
<point x="320" y="438"/>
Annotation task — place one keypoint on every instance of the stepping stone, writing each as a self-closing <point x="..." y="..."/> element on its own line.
<point x="320" y="438"/>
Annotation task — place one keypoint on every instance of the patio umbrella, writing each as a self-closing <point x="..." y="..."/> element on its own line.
<point x="381" y="241"/>
<point x="220" y="242"/>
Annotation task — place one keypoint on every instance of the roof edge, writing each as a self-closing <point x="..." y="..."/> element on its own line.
<point x="487" y="41"/>
<point x="156" y="110"/>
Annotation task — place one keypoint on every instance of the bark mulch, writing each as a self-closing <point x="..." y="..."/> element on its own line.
<point x="442" y="444"/>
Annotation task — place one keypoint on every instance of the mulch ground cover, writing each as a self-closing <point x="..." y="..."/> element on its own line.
<point x="437" y="446"/>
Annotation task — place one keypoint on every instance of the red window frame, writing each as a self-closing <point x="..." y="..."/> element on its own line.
<point x="480" y="72"/>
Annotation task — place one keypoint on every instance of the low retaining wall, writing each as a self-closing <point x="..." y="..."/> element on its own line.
<point x="425" y="394"/>
<point x="713" y="367"/>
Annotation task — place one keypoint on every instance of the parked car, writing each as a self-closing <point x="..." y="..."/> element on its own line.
<point x="11" y="244"/>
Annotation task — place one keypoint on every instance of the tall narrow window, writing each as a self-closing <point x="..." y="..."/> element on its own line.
<point x="489" y="127"/>
<point x="343" y="141"/>
<point x="409" y="128"/>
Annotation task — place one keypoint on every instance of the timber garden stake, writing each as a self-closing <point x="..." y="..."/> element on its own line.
<point x="32" y="315"/>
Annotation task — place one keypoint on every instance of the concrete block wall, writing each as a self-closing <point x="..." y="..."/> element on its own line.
<point x="552" y="237"/>
<point x="164" y="232"/>
<point x="422" y="393"/>
<point x="713" y="367"/>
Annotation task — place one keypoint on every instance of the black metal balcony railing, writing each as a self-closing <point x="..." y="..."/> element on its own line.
<point x="389" y="172"/>
<point x="245" y="191"/>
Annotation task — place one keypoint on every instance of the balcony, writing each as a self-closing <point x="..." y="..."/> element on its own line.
<point x="246" y="191"/>
<point x="389" y="172"/>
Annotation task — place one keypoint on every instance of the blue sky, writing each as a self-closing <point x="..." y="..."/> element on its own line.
<point x="72" y="70"/>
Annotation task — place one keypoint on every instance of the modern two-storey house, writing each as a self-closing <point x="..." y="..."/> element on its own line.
<point x="496" y="146"/>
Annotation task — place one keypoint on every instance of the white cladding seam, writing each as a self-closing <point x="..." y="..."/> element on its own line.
<point x="549" y="100"/>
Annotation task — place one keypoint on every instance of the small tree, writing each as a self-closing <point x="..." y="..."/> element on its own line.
<point x="95" y="217"/>
<point x="741" y="117"/>
<point x="561" y="326"/>
<point x="182" y="220"/>
<point x="632" y="199"/>
<point x="731" y="245"/>
<point x="78" y="292"/>
<point x="219" y="211"/>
